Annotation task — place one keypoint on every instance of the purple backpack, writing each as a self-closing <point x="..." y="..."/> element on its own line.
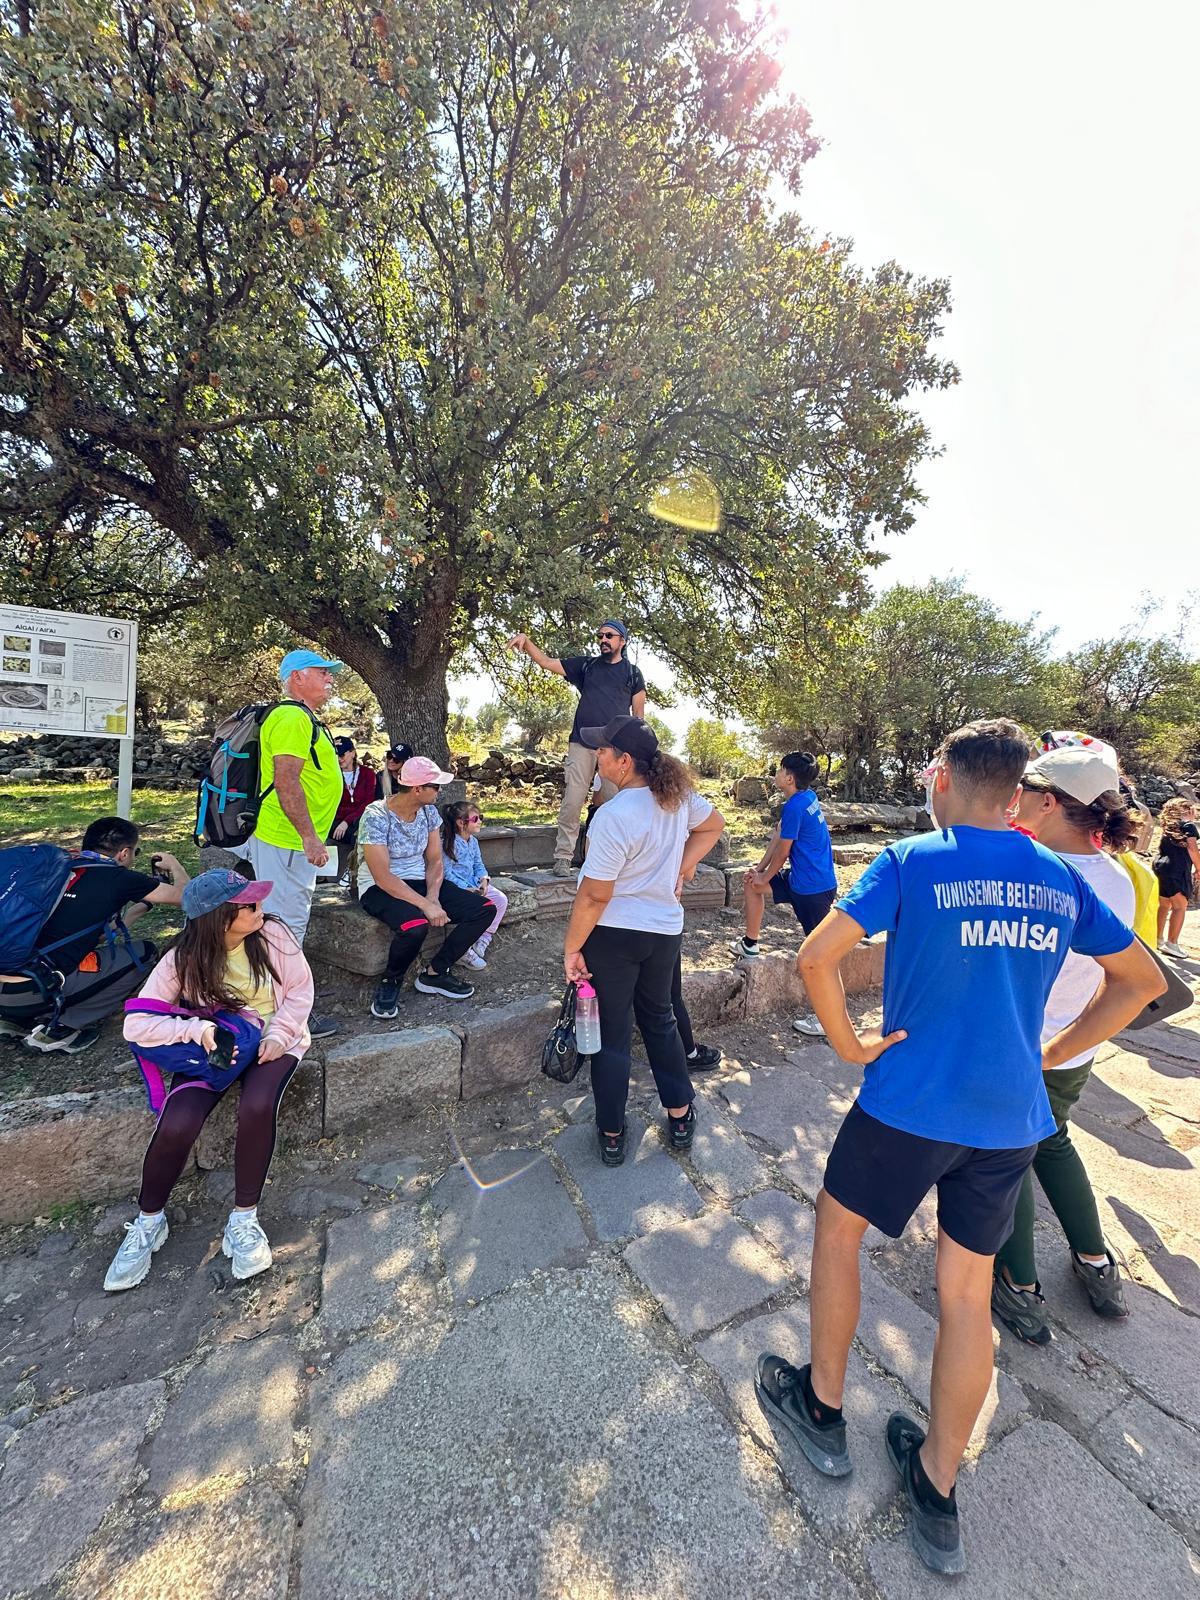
<point x="186" y="1061"/>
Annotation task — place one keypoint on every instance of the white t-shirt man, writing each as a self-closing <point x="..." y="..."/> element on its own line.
<point x="1080" y="976"/>
<point x="637" y="845"/>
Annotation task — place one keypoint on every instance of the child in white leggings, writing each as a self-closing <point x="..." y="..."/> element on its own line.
<point x="464" y="866"/>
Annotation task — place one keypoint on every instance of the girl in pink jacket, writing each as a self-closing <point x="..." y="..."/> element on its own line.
<point x="230" y="960"/>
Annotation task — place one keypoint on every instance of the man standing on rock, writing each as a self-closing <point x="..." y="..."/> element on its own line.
<point x="979" y="921"/>
<point x="609" y="686"/>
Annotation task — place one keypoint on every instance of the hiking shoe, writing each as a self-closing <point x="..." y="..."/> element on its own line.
<point x="682" y="1129"/>
<point x="320" y="1027"/>
<point x="780" y="1390"/>
<point x="935" y="1535"/>
<point x="744" y="951"/>
<point x="612" y="1147"/>
<point x="132" y="1261"/>
<point x="1103" y="1285"/>
<point x="809" y="1026"/>
<point x="445" y="984"/>
<point x="246" y="1245"/>
<point x="385" y="1003"/>
<point x="59" y="1037"/>
<point x="703" y="1057"/>
<point x="563" y="869"/>
<point x="472" y="958"/>
<point x="1018" y="1310"/>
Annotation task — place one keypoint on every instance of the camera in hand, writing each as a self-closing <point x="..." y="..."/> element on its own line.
<point x="156" y="870"/>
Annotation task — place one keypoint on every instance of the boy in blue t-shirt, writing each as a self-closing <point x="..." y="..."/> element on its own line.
<point x="979" y="920"/>
<point x="797" y="867"/>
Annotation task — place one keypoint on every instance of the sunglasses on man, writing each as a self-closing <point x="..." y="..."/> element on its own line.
<point x="607" y="633"/>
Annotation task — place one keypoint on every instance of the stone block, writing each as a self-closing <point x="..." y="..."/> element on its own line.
<point x="390" y="1075"/>
<point x="301" y="1116"/>
<point x="64" y="1147"/>
<point x="533" y="844"/>
<point x="1020" y="1543"/>
<point x="501" y="1217"/>
<point x="714" y="997"/>
<point x="233" y="1415"/>
<point x="652" y="1188"/>
<point x="751" y="791"/>
<point x="1157" y="1458"/>
<point x="62" y="1474"/>
<point x="212" y="856"/>
<point x="855" y="855"/>
<point x="723" y="1160"/>
<point x="705" y="1271"/>
<point x="342" y="935"/>
<point x="775" y="985"/>
<point x="502" y="1045"/>
<point x="718" y="855"/>
<point x="522" y="904"/>
<point x="706" y="892"/>
<point x="496" y="847"/>
<point x="735" y="881"/>
<point x="786" y="1224"/>
<point x="378" y="1265"/>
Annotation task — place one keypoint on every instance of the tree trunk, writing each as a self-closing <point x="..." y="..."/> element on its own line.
<point x="415" y="703"/>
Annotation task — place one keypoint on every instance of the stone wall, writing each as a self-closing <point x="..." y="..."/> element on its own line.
<point x="75" y="758"/>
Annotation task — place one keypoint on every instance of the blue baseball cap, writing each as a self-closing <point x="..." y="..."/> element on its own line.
<point x="297" y="660"/>
<point x="218" y="888"/>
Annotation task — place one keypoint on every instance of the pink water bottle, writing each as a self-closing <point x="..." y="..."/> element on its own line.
<point x="587" y="1019"/>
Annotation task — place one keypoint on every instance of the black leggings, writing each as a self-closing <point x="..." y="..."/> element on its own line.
<point x="185" y="1113"/>
<point x="470" y="915"/>
<point x="634" y="973"/>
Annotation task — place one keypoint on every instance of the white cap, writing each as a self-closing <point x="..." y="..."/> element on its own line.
<point x="1084" y="774"/>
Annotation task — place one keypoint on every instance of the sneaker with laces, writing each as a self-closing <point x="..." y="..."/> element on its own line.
<point x="1019" y="1310"/>
<point x="563" y="869"/>
<point x="935" y="1534"/>
<point x="445" y="984"/>
<point x="386" y="1001"/>
<point x="246" y="1245"/>
<point x="322" y="1027"/>
<point x="473" y="959"/>
<point x="1103" y="1285"/>
<point x="809" y="1026"/>
<point x="746" y="952"/>
<point x="779" y="1388"/>
<point x="136" y="1252"/>
<point x="59" y="1037"/>
<point x="682" y="1130"/>
<point x="703" y="1058"/>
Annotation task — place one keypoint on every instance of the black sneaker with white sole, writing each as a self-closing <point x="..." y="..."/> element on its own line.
<point x="1103" y="1285"/>
<point x="704" y="1057"/>
<point x="386" y="1001"/>
<point x="779" y="1388"/>
<point x="445" y="984"/>
<point x="57" y="1036"/>
<point x="1020" y="1310"/>
<point x="935" y="1534"/>
<point x="682" y="1129"/>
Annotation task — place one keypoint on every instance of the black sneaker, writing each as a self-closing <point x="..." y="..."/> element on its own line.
<point x="1018" y="1310"/>
<point x="386" y="1001"/>
<point x="780" y="1390"/>
<point x="936" y="1536"/>
<point x="445" y="984"/>
<point x="1103" y="1285"/>
<point x="58" y="1036"/>
<point x="321" y="1027"/>
<point x="683" y="1129"/>
<point x="612" y="1147"/>
<point x="703" y="1057"/>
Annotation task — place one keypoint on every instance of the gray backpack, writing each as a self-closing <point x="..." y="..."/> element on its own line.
<point x="229" y="795"/>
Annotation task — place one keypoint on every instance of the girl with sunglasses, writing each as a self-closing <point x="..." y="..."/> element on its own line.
<point x="232" y="972"/>
<point x="464" y="866"/>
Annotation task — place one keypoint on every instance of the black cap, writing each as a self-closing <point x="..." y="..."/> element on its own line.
<point x="343" y="744"/>
<point x="628" y="734"/>
<point x="398" y="753"/>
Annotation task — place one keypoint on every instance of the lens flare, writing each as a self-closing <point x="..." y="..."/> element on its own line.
<point x="689" y="499"/>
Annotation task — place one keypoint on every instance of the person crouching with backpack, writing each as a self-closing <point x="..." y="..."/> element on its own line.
<point x="82" y="963"/>
<point x="228" y="1003"/>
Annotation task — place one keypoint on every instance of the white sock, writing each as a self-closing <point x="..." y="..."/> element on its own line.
<point x="1090" y="1261"/>
<point x="244" y="1213"/>
<point x="152" y="1217"/>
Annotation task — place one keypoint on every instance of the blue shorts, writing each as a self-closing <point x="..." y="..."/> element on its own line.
<point x="809" y="908"/>
<point x="881" y="1173"/>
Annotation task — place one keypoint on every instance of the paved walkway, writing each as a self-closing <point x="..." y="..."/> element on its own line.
<point x="486" y="1366"/>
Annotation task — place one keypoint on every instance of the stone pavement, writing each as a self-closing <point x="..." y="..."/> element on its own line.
<point x="485" y="1365"/>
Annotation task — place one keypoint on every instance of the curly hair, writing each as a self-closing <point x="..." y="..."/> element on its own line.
<point x="1172" y="817"/>
<point x="667" y="778"/>
<point x="1110" y="814"/>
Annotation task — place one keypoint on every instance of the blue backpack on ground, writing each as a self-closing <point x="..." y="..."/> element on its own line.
<point x="188" y="1062"/>
<point x="33" y="879"/>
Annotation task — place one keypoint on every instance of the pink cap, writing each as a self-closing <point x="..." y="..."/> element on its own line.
<point x="420" y="769"/>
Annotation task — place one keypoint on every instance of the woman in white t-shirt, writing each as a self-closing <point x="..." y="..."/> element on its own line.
<point x="627" y="921"/>
<point x="1070" y="799"/>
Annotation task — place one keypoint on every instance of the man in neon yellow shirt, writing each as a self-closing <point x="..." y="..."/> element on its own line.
<point x="299" y="767"/>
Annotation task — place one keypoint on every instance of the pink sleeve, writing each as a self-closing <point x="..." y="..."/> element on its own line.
<point x="147" y="1029"/>
<point x="293" y="993"/>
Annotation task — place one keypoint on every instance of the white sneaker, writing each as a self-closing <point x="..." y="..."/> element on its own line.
<point x="132" y="1260"/>
<point x="743" y="952"/>
<point x="810" y="1026"/>
<point x="1170" y="948"/>
<point x="472" y="958"/>
<point x="246" y="1245"/>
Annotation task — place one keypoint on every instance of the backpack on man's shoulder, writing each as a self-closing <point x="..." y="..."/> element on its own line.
<point x="33" y="879"/>
<point x="230" y="793"/>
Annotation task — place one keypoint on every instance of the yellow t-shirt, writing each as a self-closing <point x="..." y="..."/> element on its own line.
<point x="257" y="997"/>
<point x="1145" y="892"/>
<point x="288" y="731"/>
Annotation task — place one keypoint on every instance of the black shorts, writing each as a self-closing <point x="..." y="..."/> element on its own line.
<point x="809" y="908"/>
<point x="883" y="1174"/>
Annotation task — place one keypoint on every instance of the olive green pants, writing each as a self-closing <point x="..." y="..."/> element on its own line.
<point x="1064" y="1180"/>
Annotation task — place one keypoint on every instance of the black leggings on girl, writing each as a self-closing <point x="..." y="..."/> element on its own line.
<point x="186" y="1112"/>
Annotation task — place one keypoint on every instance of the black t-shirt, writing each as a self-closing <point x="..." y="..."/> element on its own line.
<point x="92" y="895"/>
<point x="606" y="689"/>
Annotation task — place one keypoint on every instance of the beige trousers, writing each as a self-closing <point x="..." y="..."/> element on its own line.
<point x="580" y="771"/>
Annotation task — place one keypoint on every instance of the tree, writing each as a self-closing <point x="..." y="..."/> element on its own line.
<point x="541" y="705"/>
<point x="714" y="750"/>
<point x="662" y="732"/>
<point x="393" y="317"/>
<point x="1139" y="693"/>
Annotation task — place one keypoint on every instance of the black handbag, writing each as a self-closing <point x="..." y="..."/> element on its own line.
<point x="560" y="1058"/>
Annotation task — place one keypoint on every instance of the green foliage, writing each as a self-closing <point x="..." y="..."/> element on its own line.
<point x="663" y="733"/>
<point x="1139" y="693"/>
<point x="715" y="751"/>
<point x="384" y="322"/>
<point x="540" y="705"/>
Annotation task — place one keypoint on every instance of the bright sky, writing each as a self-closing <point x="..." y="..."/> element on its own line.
<point x="1044" y="158"/>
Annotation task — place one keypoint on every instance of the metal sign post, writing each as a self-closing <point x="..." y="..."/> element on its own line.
<point x="63" y="672"/>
